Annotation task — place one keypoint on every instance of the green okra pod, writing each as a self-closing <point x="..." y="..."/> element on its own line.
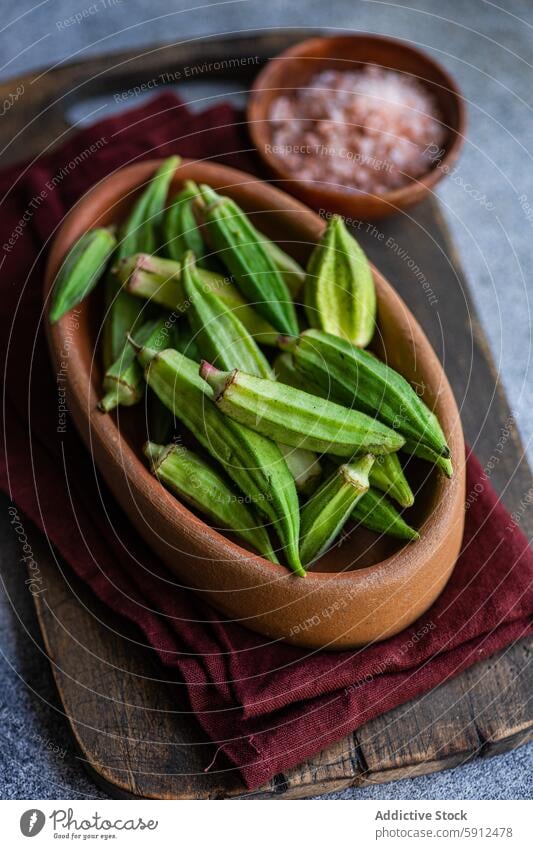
<point x="139" y="232"/>
<point x="328" y="510"/>
<point x="218" y="332"/>
<point x="223" y="339"/>
<point x="180" y="229"/>
<point x="81" y="270"/>
<point x="242" y="251"/>
<point x="425" y="453"/>
<point x="375" y="512"/>
<point x="286" y="372"/>
<point x="161" y="424"/>
<point x="351" y="376"/>
<point x="121" y="313"/>
<point x="253" y="462"/>
<point x="290" y="270"/>
<point x="304" y="466"/>
<point x="388" y="476"/>
<point x="123" y="382"/>
<point x="161" y="281"/>
<point x="201" y="486"/>
<point x="296" y="418"/>
<point x="339" y="293"/>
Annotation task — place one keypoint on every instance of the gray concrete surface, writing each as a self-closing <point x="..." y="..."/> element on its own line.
<point x="489" y="49"/>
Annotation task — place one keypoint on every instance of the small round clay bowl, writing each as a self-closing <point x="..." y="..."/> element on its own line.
<point x="293" y="70"/>
<point x="364" y="590"/>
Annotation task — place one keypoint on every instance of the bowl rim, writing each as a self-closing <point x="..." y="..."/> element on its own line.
<point x="256" y="121"/>
<point x="95" y="204"/>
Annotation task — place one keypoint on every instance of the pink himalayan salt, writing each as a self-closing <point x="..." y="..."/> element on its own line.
<point x="369" y="130"/>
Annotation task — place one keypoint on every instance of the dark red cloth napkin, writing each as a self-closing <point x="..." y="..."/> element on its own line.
<point x="267" y="705"/>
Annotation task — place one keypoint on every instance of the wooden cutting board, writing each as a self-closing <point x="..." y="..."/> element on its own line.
<point x="128" y="713"/>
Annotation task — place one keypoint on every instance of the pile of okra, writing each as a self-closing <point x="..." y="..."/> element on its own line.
<point x="297" y="428"/>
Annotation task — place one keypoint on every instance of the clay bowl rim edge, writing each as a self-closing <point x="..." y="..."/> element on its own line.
<point x="396" y="199"/>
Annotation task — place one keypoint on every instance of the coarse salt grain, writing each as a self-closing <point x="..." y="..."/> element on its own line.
<point x="367" y="130"/>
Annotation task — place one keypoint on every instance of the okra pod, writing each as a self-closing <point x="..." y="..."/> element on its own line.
<point x="375" y="512"/>
<point x="304" y="466"/>
<point x="180" y="229"/>
<point x="188" y="475"/>
<point x="353" y="377"/>
<point x="290" y="270"/>
<point x="121" y="313"/>
<point x="242" y="251"/>
<point x="222" y="338"/>
<point x="161" y="423"/>
<point x="81" y="270"/>
<point x="161" y="280"/>
<point x="286" y="372"/>
<point x="339" y="292"/>
<point x="388" y="476"/>
<point x="218" y="333"/>
<point x="253" y="462"/>
<point x="425" y="453"/>
<point x="123" y="382"/>
<point x="296" y="418"/>
<point x="328" y="510"/>
<point x="139" y="232"/>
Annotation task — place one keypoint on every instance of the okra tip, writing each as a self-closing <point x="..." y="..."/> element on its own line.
<point x="56" y="311"/>
<point x="109" y="401"/>
<point x="145" y="355"/>
<point x="286" y="343"/>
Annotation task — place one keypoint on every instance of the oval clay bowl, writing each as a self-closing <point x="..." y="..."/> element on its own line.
<point x="294" y="68"/>
<point x="366" y="589"/>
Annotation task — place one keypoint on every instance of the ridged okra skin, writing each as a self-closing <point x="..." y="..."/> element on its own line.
<point x="425" y="453"/>
<point x="123" y="381"/>
<point x="140" y="232"/>
<point x="304" y="466"/>
<point x="241" y="249"/>
<point x="293" y="417"/>
<point x="180" y="229"/>
<point x="81" y="270"/>
<point x="340" y="297"/>
<point x="219" y="334"/>
<point x="357" y="379"/>
<point x="193" y="479"/>
<point x="375" y="512"/>
<point x="223" y="339"/>
<point x="388" y="476"/>
<point x="161" y="281"/>
<point x="328" y="509"/>
<point x="291" y="271"/>
<point x="253" y="462"/>
<point x="286" y="372"/>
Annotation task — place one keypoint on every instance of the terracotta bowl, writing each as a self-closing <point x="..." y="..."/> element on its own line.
<point x="368" y="588"/>
<point x="294" y="68"/>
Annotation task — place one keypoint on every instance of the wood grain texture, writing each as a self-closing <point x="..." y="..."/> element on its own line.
<point x="128" y="715"/>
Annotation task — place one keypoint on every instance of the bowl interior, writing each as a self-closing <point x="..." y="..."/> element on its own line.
<point x="360" y="547"/>
<point x="294" y="68"/>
